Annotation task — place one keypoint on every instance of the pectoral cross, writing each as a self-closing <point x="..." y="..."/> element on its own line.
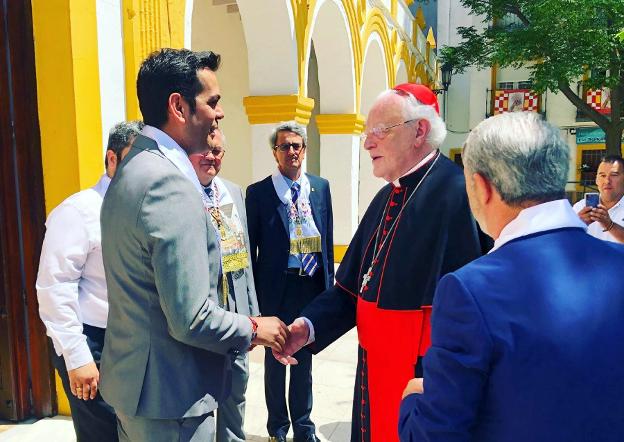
<point x="367" y="277"/>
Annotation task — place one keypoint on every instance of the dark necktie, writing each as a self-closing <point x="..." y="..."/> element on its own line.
<point x="308" y="260"/>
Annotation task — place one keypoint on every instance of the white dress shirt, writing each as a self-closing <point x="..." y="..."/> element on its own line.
<point x="71" y="287"/>
<point x="552" y="215"/>
<point x="175" y="154"/>
<point x="616" y="213"/>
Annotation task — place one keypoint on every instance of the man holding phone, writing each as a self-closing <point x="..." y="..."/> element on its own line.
<point x="604" y="212"/>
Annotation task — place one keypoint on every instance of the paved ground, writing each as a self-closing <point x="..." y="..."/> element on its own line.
<point x="333" y="372"/>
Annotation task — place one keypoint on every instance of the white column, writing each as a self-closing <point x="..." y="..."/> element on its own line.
<point x="340" y="166"/>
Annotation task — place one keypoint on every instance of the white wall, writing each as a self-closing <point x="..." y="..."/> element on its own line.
<point x="111" y="66"/>
<point x="213" y="28"/>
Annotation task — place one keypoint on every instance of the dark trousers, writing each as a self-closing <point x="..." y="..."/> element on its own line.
<point x="94" y="420"/>
<point x="300" y="290"/>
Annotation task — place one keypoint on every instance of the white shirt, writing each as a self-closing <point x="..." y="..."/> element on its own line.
<point x="175" y="154"/>
<point x="616" y="213"/>
<point x="552" y="215"/>
<point x="71" y="287"/>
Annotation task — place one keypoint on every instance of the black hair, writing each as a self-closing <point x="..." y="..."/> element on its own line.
<point x="610" y="159"/>
<point x="168" y="71"/>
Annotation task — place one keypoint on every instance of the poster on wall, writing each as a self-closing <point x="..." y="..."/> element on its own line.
<point x="515" y="100"/>
<point x="600" y="99"/>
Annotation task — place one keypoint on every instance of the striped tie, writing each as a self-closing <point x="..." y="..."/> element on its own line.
<point x="308" y="260"/>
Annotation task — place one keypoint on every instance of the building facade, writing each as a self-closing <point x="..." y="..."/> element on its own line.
<point x="70" y="75"/>
<point x="476" y="95"/>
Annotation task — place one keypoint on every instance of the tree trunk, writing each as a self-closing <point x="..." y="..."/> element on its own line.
<point x="613" y="140"/>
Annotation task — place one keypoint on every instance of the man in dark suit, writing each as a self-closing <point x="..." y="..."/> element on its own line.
<point x="291" y="234"/>
<point x="526" y="341"/>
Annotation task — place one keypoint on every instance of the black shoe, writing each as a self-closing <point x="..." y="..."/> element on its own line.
<point x="278" y="438"/>
<point x="309" y="438"/>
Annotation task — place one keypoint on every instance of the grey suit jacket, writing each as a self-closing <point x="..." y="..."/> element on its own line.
<point x="244" y="288"/>
<point x="168" y="345"/>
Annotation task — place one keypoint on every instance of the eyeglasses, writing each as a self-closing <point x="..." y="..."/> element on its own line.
<point x="381" y="132"/>
<point x="285" y="147"/>
<point x="216" y="153"/>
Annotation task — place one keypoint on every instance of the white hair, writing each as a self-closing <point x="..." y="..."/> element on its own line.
<point x="523" y="156"/>
<point x="415" y="110"/>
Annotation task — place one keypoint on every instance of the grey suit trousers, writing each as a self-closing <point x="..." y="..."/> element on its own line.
<point x="231" y="412"/>
<point x="141" y="429"/>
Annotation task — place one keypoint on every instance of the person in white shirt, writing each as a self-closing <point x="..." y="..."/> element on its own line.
<point x="71" y="289"/>
<point x="607" y="220"/>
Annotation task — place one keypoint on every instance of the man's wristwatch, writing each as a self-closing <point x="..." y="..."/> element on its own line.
<point x="254" y="328"/>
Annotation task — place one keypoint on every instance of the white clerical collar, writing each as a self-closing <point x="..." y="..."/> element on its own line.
<point x="540" y="218"/>
<point x="415" y="168"/>
<point x="174" y="153"/>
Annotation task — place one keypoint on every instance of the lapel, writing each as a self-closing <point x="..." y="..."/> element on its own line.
<point x="316" y="204"/>
<point x="279" y="206"/>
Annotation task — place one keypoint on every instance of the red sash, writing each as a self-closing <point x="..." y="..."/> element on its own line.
<point x="393" y="340"/>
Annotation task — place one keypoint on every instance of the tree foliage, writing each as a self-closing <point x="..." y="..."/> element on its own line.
<point x="558" y="41"/>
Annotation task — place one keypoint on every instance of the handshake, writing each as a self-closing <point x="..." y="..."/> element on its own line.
<point x="284" y="341"/>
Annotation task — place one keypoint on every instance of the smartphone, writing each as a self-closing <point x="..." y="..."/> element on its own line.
<point x="592" y="199"/>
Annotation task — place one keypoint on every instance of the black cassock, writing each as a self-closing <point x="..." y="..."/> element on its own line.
<point x="411" y="239"/>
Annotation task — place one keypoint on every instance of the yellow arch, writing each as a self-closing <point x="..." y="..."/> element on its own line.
<point x="375" y="22"/>
<point x="352" y="20"/>
<point x="403" y="53"/>
<point x="420" y="71"/>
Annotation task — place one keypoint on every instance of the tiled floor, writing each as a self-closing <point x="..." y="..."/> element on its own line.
<point x="333" y="373"/>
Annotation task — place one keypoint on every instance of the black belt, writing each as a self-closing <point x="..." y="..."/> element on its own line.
<point x="295" y="272"/>
<point x="299" y="272"/>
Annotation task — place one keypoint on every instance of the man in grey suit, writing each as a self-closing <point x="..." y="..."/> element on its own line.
<point x="237" y="292"/>
<point x="169" y="344"/>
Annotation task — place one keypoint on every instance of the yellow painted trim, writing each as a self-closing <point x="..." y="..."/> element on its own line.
<point x="431" y="38"/>
<point x="393" y="8"/>
<point x="454" y="151"/>
<point x="361" y="13"/>
<point x="61" y="397"/>
<point x="356" y="44"/>
<point x="339" y="252"/>
<point x="147" y="27"/>
<point x="420" y="18"/>
<point x="277" y="108"/>
<point x="403" y="53"/>
<point x="375" y="22"/>
<point x="340" y="123"/>
<point x="579" y="158"/>
<point x="68" y="96"/>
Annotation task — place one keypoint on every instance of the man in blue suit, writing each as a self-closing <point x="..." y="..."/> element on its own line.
<point x="526" y="341"/>
<point x="289" y="215"/>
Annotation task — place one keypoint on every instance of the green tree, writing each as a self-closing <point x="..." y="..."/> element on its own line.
<point x="559" y="41"/>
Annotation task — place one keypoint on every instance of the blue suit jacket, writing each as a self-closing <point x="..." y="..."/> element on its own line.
<point x="527" y="345"/>
<point x="267" y="220"/>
